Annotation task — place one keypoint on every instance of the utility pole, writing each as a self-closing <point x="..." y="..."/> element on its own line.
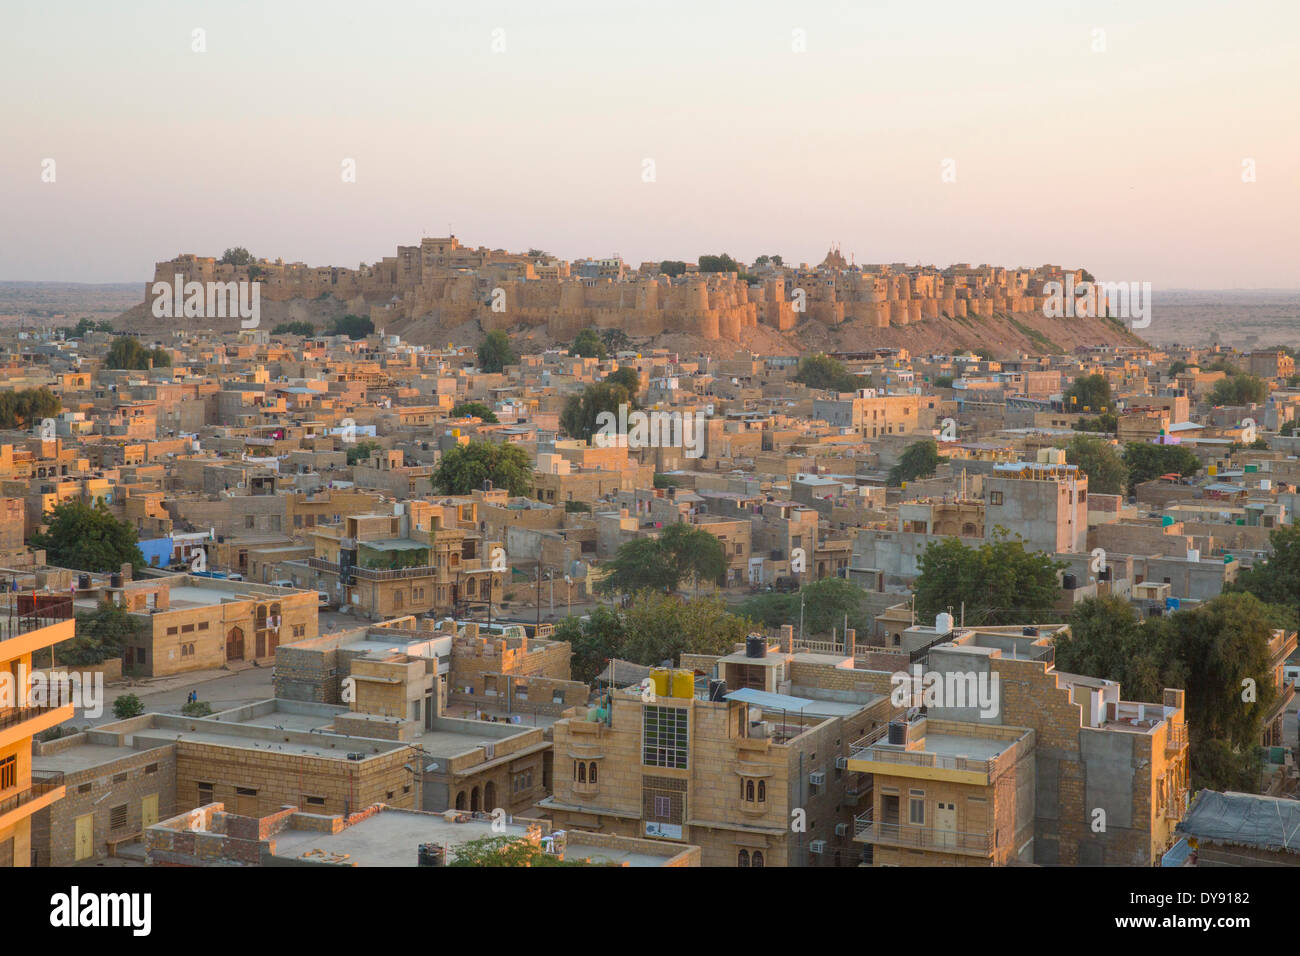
<point x="538" y="625"/>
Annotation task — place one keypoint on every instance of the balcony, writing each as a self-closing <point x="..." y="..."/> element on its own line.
<point x="41" y="793"/>
<point x="1177" y="739"/>
<point x="1176" y="808"/>
<point x="23" y="615"/>
<point x="975" y="843"/>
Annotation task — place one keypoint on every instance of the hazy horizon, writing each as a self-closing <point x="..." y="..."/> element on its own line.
<point x="513" y="125"/>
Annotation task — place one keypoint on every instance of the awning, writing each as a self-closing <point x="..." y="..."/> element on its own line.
<point x="761" y="698"/>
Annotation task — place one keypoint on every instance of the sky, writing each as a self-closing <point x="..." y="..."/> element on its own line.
<point x="1143" y="140"/>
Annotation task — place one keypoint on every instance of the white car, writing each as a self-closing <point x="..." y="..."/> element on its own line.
<point x="283" y="583"/>
<point x="324" y="598"/>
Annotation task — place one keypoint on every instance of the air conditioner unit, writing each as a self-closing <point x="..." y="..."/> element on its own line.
<point x="817" y="846"/>
<point x="817" y="778"/>
<point x="841" y="829"/>
<point x="841" y="762"/>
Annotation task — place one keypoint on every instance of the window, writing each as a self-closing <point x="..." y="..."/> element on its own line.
<point x="203" y="625"/>
<point x="663" y="806"/>
<point x="245" y="792"/>
<point x="85" y="788"/>
<point x="749" y="791"/>
<point x="758" y="858"/>
<point x="743" y="858"/>
<point x="591" y="772"/>
<point x="119" y="778"/>
<point x="9" y="772"/>
<point x="206" y="793"/>
<point x="916" y="808"/>
<point x="995" y="497"/>
<point x="582" y="772"/>
<point x="762" y="791"/>
<point x="664" y="737"/>
<point x="117" y="817"/>
<point x="314" y="801"/>
<point x="151" y="768"/>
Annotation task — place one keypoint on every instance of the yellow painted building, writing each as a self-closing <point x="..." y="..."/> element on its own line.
<point x="21" y="796"/>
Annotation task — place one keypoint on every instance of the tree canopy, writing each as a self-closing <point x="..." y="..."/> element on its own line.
<point x="1277" y="579"/>
<point x="919" y="460"/>
<point x="305" y="329"/>
<point x="495" y="353"/>
<point x="355" y="327"/>
<point x="87" y="538"/>
<point x="1101" y="462"/>
<point x="999" y="582"/>
<point x="682" y="552"/>
<point x="579" y="419"/>
<point x="588" y="344"/>
<point x="1217" y="652"/>
<point x="655" y="627"/>
<point x="825" y="604"/>
<point x="236" y="256"/>
<point x="126" y="352"/>
<point x="474" y="410"/>
<point x="464" y="468"/>
<point x="1089" y="393"/>
<point x="1239" y="390"/>
<point x="1147" y="460"/>
<point x="24" y="407"/>
<point x="822" y="371"/>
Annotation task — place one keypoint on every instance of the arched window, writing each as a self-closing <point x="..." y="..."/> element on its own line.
<point x="749" y="791"/>
<point x="743" y="858"/>
<point x="591" y="772"/>
<point x="758" y="857"/>
<point x="582" y="772"/>
<point x="762" y="791"/>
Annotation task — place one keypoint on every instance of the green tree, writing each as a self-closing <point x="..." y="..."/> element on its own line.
<point x="722" y="263"/>
<point x="1089" y="393"/>
<point x="615" y="340"/>
<point x="236" y="256"/>
<point x="592" y="641"/>
<point x="25" y="407"/>
<point x="696" y="554"/>
<point x="1106" y="639"/>
<point x="1147" y="460"/>
<point x="1177" y="368"/>
<point x="661" y="627"/>
<point x="1105" y="422"/>
<point x="1101" y="462"/>
<point x="822" y="371"/>
<point x="499" y="851"/>
<point x="672" y="267"/>
<point x="999" y="582"/>
<point x="474" y="410"/>
<point x="626" y="376"/>
<point x="495" y="353"/>
<point x="305" y="329"/>
<point x="127" y="706"/>
<point x="464" y="468"/>
<point x="943" y="381"/>
<point x="681" y="552"/>
<point x="361" y="451"/>
<point x="355" y="327"/>
<point x="100" y="635"/>
<point x="126" y="352"/>
<point x="87" y="538"/>
<point x="919" y="460"/>
<point x="580" y="417"/>
<point x="1275" y="580"/>
<point x="825" y="604"/>
<point x="1239" y="390"/>
<point x="638" y="565"/>
<point x="588" y="344"/>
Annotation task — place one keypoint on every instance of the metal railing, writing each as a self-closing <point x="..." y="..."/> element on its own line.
<point x="37" y="789"/>
<point x="1177" y="738"/>
<point x="19" y="615"/>
<point x="11" y="716"/>
<point x="922" y="838"/>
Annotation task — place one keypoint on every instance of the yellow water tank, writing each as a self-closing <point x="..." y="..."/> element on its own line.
<point x="662" y="678"/>
<point x="683" y="683"/>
